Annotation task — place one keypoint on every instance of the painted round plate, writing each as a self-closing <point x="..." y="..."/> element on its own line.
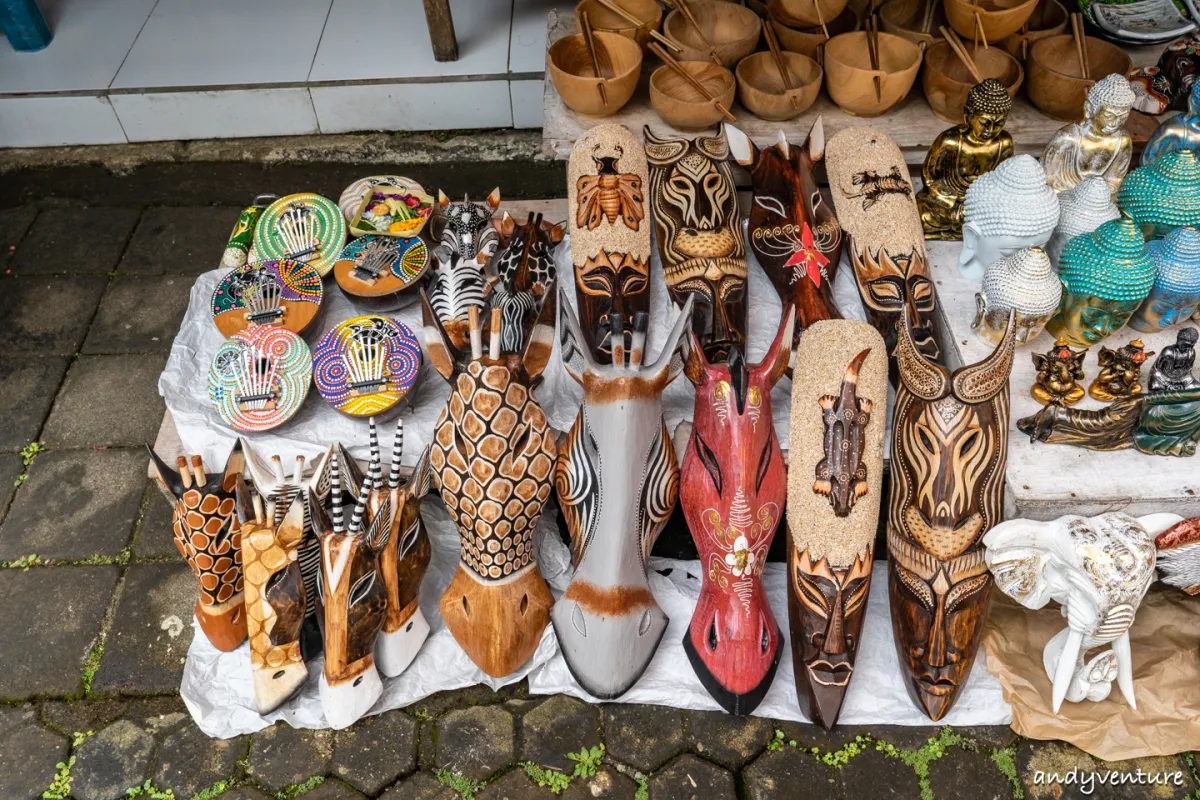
<point x="259" y="377"/>
<point x="352" y="198"/>
<point x="376" y="266"/>
<point x="275" y="292"/>
<point x="303" y="227"/>
<point x="366" y="365"/>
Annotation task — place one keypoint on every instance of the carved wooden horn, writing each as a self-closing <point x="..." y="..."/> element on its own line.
<point x="670" y="362"/>
<point x="744" y="151"/>
<point x="977" y="383"/>
<point x="695" y="365"/>
<point x="541" y="339"/>
<point x="815" y="143"/>
<point x="922" y="377"/>
<point x="661" y="152"/>
<point x="576" y="355"/>
<point x="775" y="363"/>
<point x="442" y="353"/>
<point x="169" y="480"/>
<point x="245" y="507"/>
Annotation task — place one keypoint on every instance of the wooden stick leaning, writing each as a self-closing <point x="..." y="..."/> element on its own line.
<point x="1080" y="38"/>
<point x="821" y="18"/>
<point x="960" y="50"/>
<point x="927" y="18"/>
<point x="632" y="20"/>
<point x="780" y="64"/>
<point x="980" y="35"/>
<point x="873" y="51"/>
<point x="590" y="42"/>
<point x="690" y="78"/>
<point x="686" y="11"/>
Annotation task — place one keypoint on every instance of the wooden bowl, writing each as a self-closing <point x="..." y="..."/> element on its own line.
<point x="904" y="17"/>
<point x="571" y="70"/>
<point x="807" y="41"/>
<point x="850" y="77"/>
<point x="803" y="13"/>
<point x="1000" y="18"/>
<point x="1055" y="85"/>
<point x="731" y="29"/>
<point x="680" y="105"/>
<point x="610" y="22"/>
<point x="762" y="92"/>
<point x="946" y="80"/>
<point x="1049" y="19"/>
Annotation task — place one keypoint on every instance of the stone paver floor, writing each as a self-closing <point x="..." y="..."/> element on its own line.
<point x="96" y="604"/>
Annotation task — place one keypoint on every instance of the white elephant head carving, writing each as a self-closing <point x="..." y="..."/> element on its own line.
<point x="1098" y="568"/>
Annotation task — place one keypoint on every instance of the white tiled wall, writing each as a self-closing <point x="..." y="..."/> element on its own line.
<point x="147" y="70"/>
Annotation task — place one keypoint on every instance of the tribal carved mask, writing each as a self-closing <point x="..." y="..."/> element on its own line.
<point x="794" y="234"/>
<point x="466" y="228"/>
<point x="734" y="487"/>
<point x="699" y="231"/>
<point x="209" y="539"/>
<point x="618" y="482"/>
<point x="492" y="455"/>
<point x="274" y="595"/>
<point x="949" y="453"/>
<point x="524" y="268"/>
<point x="610" y="235"/>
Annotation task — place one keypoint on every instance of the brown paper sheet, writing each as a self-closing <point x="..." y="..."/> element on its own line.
<point x="1165" y="641"/>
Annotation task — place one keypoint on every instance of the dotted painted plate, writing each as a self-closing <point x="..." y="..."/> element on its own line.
<point x="376" y="266"/>
<point x="304" y="227"/>
<point x="259" y="377"/>
<point x="366" y="365"/>
<point x="276" y="292"/>
<point x="352" y="198"/>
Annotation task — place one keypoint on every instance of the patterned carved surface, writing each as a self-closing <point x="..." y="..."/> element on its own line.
<point x="524" y="269"/>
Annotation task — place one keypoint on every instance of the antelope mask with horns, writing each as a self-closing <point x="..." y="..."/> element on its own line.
<point x="524" y="268"/>
<point x="209" y="539"/>
<point x="949" y="453"/>
<point x="492" y="455"/>
<point x="467" y="241"/>
<point x="734" y="487"/>
<point x="271" y="539"/>
<point x="353" y="598"/>
<point x="618" y="481"/>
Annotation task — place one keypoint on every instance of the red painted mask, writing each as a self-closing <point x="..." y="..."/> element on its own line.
<point x="734" y="486"/>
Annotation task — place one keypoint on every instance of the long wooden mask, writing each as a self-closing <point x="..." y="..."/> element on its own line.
<point x="208" y="538"/>
<point x="610" y="235"/>
<point x="839" y="398"/>
<point x="492" y="455"/>
<point x="274" y="595"/>
<point x="278" y="490"/>
<point x="353" y="602"/>
<point x="793" y="232"/>
<point x="618" y="481"/>
<point x="872" y="192"/>
<point x="699" y="231"/>
<point x="524" y="268"/>
<point x="405" y="558"/>
<point x="949" y="453"/>
<point x="734" y="485"/>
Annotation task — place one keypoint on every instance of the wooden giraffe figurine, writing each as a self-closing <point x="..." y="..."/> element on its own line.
<point x="210" y="541"/>
<point x="492" y="456"/>
<point x="274" y="596"/>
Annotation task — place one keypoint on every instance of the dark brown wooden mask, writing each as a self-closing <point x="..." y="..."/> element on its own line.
<point x="610" y="235"/>
<point x="949" y="454"/>
<point x="698" y="228"/>
<point x="209" y="539"/>
<point x="794" y="234"/>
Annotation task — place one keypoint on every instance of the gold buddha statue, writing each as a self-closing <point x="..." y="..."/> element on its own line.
<point x="961" y="154"/>
<point x="1099" y="144"/>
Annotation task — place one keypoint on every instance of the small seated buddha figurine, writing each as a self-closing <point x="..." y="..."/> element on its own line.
<point x="1058" y="374"/>
<point x="1096" y="146"/>
<point x="1120" y="372"/>
<point x="961" y="154"/>
<point x="1181" y="132"/>
<point x="1172" y="371"/>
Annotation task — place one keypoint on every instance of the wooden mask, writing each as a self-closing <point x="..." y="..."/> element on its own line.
<point x="618" y="481"/>
<point x="466" y="227"/>
<point x="699" y="231"/>
<point x="793" y="233"/>
<point x="839" y="398"/>
<point x="949" y="454"/>
<point x="492" y="455"/>
<point x="275" y="598"/>
<point x="353" y="602"/>
<point x="405" y="558"/>
<point x="279" y="490"/>
<point x="734" y="485"/>
<point x="209" y="539"/>
<point x="524" y="268"/>
<point x="872" y="192"/>
<point x="610" y="235"/>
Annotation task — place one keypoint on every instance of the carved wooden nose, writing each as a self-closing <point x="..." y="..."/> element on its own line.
<point x="835" y="631"/>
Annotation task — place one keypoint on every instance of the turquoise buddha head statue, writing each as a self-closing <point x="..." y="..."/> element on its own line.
<point x="1175" y="296"/>
<point x="1164" y="194"/>
<point x="1106" y="275"/>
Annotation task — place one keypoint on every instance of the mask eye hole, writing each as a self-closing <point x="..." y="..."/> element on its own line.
<point x="524" y="604"/>
<point x="765" y="639"/>
<point x="466" y="607"/>
<point x="712" y="636"/>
